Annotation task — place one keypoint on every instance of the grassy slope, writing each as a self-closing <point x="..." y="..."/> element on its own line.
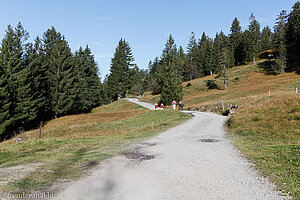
<point x="266" y="129"/>
<point x="70" y="145"/>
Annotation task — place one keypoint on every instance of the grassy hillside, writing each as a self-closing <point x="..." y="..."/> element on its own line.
<point x="70" y="145"/>
<point x="266" y="128"/>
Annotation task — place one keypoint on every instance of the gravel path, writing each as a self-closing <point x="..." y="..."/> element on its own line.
<point x="191" y="161"/>
<point x="145" y="104"/>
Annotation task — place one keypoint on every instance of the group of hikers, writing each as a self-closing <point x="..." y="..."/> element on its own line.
<point x="173" y="104"/>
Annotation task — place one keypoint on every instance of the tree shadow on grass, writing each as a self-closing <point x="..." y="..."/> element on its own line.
<point x="270" y="67"/>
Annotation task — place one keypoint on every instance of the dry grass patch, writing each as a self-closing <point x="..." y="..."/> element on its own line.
<point x="269" y="135"/>
<point x="71" y="145"/>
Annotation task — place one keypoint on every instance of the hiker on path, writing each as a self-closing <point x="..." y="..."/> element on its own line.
<point x="174" y="105"/>
<point x="181" y="105"/>
<point x="155" y="106"/>
<point x="162" y="106"/>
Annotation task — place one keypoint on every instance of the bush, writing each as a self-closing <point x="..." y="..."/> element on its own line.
<point x="188" y="84"/>
<point x="210" y="84"/>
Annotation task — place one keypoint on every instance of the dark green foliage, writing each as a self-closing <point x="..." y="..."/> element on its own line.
<point x="88" y="85"/>
<point x="167" y="77"/>
<point x="119" y="82"/>
<point x="188" y="84"/>
<point x="266" y="39"/>
<point x="190" y="70"/>
<point x="12" y="63"/>
<point x="280" y="42"/>
<point x="293" y="38"/>
<point x="43" y="80"/>
<point x="61" y="72"/>
<point x="254" y="36"/>
<point x="210" y="84"/>
<point x="271" y="67"/>
<point x="235" y="41"/>
<point x="138" y="81"/>
<point x="5" y="107"/>
<point x="182" y="62"/>
<point x="293" y="25"/>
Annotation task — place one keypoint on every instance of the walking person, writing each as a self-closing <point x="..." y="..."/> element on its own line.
<point x="162" y="106"/>
<point x="156" y="106"/>
<point x="180" y="103"/>
<point x="174" y="105"/>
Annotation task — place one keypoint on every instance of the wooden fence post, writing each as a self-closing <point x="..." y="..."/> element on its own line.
<point x="40" y="132"/>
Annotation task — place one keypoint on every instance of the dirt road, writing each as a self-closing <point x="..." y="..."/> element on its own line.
<point x="193" y="161"/>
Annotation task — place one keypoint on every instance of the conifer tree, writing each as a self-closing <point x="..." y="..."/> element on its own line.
<point x="201" y="51"/>
<point x="266" y="39"/>
<point x="151" y="79"/>
<point x="12" y="64"/>
<point x="118" y="79"/>
<point x="6" y="115"/>
<point x="35" y="77"/>
<point x="182" y="62"/>
<point x="61" y="73"/>
<point x="280" y="41"/>
<point x="254" y="38"/>
<point x="219" y="44"/>
<point x="293" y="26"/>
<point x="88" y="85"/>
<point x="235" y="40"/>
<point x="293" y="36"/>
<point x="171" y="88"/>
<point x="224" y="65"/>
<point x="190" y="70"/>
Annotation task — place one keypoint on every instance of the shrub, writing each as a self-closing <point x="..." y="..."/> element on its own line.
<point x="188" y="84"/>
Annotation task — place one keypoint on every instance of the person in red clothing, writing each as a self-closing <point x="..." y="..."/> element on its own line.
<point x="156" y="106"/>
<point x="162" y="106"/>
<point x="174" y="105"/>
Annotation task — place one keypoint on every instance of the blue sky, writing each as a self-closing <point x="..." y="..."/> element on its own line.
<point x="146" y="25"/>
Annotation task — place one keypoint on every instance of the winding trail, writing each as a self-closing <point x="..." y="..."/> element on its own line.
<point x="192" y="161"/>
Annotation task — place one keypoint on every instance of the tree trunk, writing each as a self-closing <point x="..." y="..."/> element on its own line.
<point x="225" y="78"/>
<point x="225" y="84"/>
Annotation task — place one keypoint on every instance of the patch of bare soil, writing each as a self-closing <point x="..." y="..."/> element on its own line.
<point x="8" y="174"/>
<point x="136" y="154"/>
<point x="15" y="173"/>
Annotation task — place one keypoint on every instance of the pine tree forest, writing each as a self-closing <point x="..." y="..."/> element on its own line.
<point x="44" y="80"/>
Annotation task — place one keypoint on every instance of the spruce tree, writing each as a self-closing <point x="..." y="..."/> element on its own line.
<point x="12" y="63"/>
<point x="190" y="70"/>
<point x="224" y="64"/>
<point x="88" y="83"/>
<point x="39" y="71"/>
<point x="60" y="64"/>
<point x="293" y="36"/>
<point x="182" y="62"/>
<point x="6" y="117"/>
<point x="152" y="77"/>
<point x="171" y="88"/>
<point x="235" y="40"/>
<point x="201" y="54"/>
<point x="293" y="26"/>
<point x="280" y="41"/>
<point x="254" y="36"/>
<point x="219" y="44"/>
<point x="266" y="39"/>
<point x="118" y="79"/>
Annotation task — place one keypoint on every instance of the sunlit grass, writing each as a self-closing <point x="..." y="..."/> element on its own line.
<point x="266" y="128"/>
<point x="72" y="144"/>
